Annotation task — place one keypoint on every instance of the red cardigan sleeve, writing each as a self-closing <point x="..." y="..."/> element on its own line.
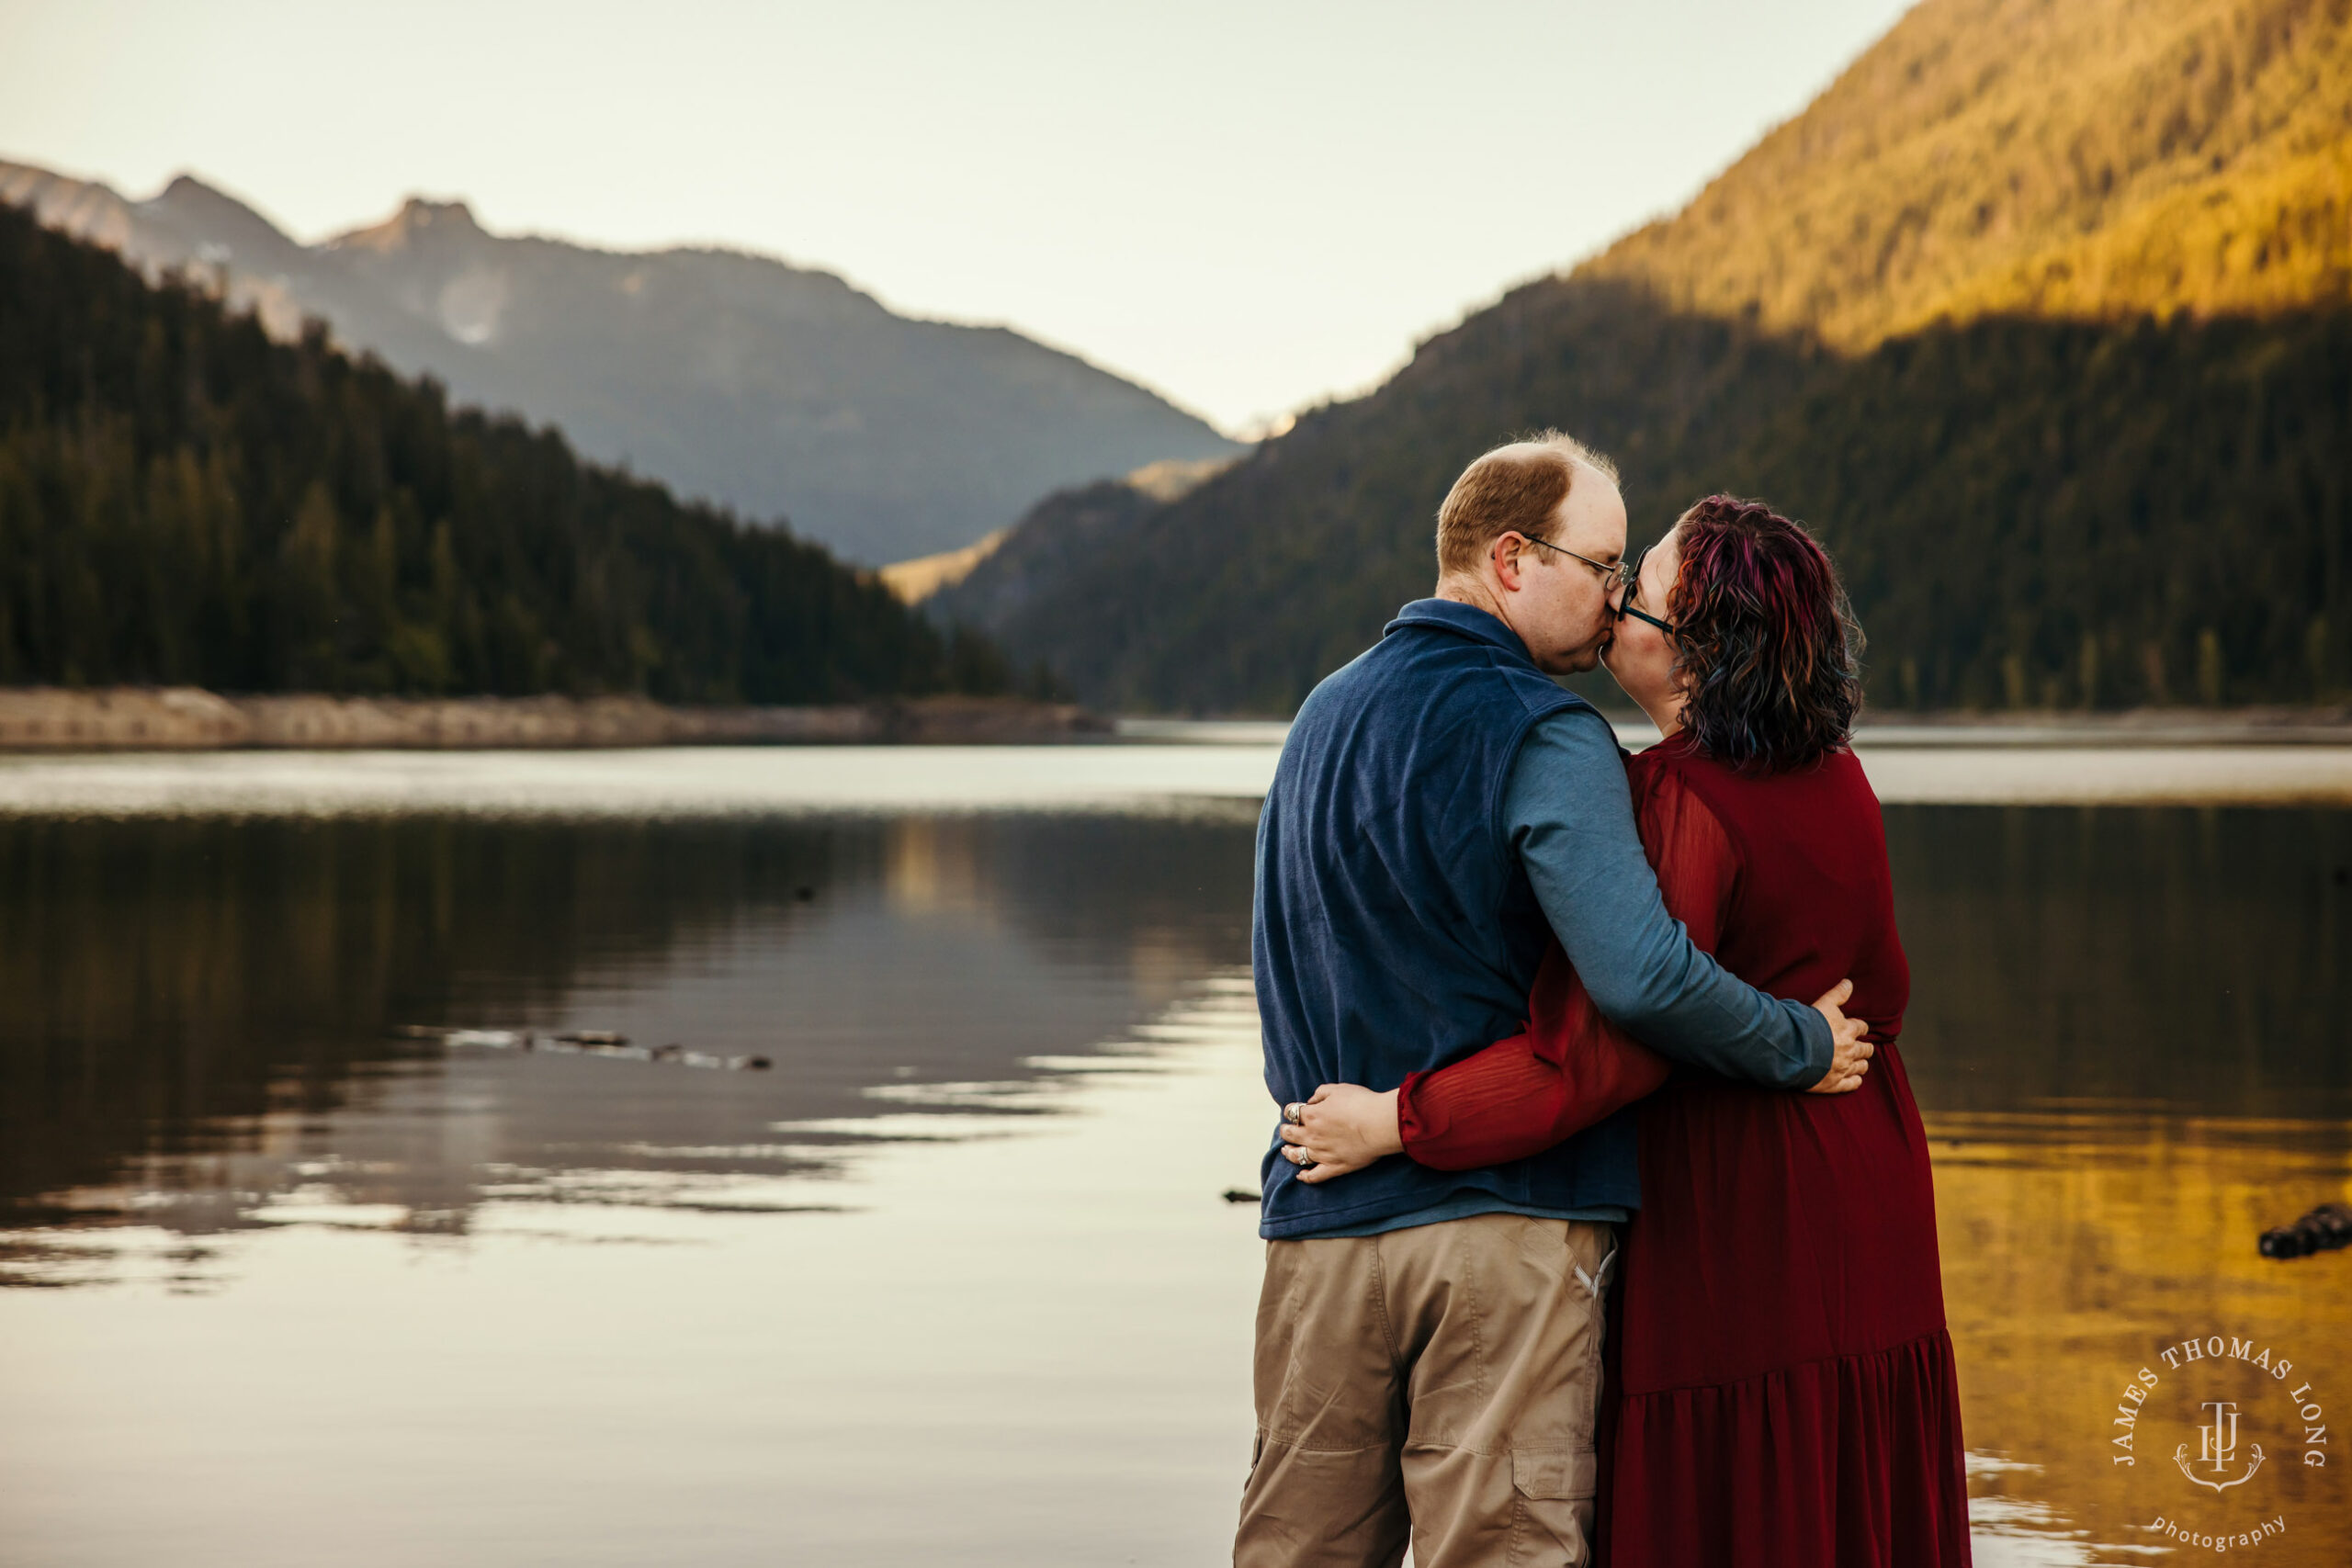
<point x="1571" y="1067"/>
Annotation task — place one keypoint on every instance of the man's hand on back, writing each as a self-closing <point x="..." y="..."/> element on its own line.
<point x="1852" y="1056"/>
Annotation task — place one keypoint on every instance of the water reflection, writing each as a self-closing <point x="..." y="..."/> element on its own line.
<point x="2175" y="958"/>
<point x="183" y="990"/>
<point x="964" y="1235"/>
<point x="2129" y="1031"/>
<point x="1024" y="1346"/>
<point x="202" y="1012"/>
<point x="2075" y="1247"/>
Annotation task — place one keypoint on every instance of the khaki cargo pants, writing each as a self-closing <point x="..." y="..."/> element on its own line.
<point x="1438" y="1381"/>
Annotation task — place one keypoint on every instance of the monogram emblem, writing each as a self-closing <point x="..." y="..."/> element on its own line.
<point x="2217" y="1447"/>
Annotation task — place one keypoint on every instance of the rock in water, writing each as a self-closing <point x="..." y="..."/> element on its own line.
<point x="2324" y="1229"/>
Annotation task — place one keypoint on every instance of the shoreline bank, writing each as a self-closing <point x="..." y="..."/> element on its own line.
<point x="186" y="719"/>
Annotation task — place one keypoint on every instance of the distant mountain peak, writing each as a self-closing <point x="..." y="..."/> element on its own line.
<point x="419" y="221"/>
<point x="419" y="212"/>
<point x="220" y="227"/>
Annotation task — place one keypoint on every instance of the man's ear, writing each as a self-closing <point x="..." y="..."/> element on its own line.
<point x="1503" y="553"/>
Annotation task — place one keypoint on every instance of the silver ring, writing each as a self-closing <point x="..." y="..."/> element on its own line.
<point x="1295" y="1113"/>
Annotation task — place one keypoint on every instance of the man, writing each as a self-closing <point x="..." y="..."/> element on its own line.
<point x="1429" y="1342"/>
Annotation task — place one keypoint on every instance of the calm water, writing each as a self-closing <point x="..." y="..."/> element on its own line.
<point x="953" y="1280"/>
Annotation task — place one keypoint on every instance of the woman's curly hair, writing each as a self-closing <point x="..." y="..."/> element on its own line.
<point x="1770" y="652"/>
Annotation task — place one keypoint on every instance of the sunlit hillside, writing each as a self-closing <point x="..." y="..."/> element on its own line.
<point x="2062" y="157"/>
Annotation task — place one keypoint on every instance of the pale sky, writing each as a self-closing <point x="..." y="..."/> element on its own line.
<point x="1249" y="206"/>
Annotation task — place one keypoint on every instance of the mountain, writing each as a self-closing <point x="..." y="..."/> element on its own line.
<point x="771" y="390"/>
<point x="184" y="501"/>
<point x="1065" y="527"/>
<point x="2040" y="315"/>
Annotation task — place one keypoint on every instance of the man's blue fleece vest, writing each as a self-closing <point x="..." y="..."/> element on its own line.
<point x="1394" y="928"/>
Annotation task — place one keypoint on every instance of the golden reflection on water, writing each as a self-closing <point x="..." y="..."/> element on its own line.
<point x="2077" y="1247"/>
<point x="931" y="866"/>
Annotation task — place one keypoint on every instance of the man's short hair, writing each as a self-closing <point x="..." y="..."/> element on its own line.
<point x="1516" y="488"/>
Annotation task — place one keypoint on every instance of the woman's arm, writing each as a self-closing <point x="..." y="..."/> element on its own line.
<point x="1569" y="1068"/>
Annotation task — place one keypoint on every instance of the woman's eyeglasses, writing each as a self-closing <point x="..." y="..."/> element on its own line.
<point x="1629" y="575"/>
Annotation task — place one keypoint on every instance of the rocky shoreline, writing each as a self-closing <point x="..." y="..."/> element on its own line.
<point x="185" y="718"/>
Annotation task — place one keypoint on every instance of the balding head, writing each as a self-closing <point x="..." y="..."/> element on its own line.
<point x="1515" y="488"/>
<point x="1554" y="592"/>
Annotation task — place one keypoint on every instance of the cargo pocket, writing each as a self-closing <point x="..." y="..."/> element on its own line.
<point x="1553" y="1518"/>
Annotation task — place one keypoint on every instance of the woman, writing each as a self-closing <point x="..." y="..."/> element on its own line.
<point x="1780" y="1387"/>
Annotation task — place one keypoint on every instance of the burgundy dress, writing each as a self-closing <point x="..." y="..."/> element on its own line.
<point x="1780" y="1389"/>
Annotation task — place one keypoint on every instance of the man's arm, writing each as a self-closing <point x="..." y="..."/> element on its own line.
<point x="1569" y="813"/>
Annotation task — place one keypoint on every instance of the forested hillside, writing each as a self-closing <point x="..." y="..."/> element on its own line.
<point x="2041" y="315"/>
<point x="182" y="500"/>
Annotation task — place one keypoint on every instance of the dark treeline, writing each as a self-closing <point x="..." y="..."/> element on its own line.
<point x="2057" y="515"/>
<point x="184" y="501"/>
<point x="2030" y="514"/>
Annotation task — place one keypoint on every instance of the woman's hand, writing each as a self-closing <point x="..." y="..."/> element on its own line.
<point x="1345" y="1127"/>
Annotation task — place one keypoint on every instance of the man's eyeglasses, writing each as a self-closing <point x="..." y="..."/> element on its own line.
<point x="1629" y="576"/>
<point x="1609" y="572"/>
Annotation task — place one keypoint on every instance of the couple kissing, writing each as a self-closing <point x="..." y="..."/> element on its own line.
<point x="1598" y="1220"/>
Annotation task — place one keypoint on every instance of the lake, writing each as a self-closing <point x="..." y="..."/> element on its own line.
<point x="294" y="1276"/>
